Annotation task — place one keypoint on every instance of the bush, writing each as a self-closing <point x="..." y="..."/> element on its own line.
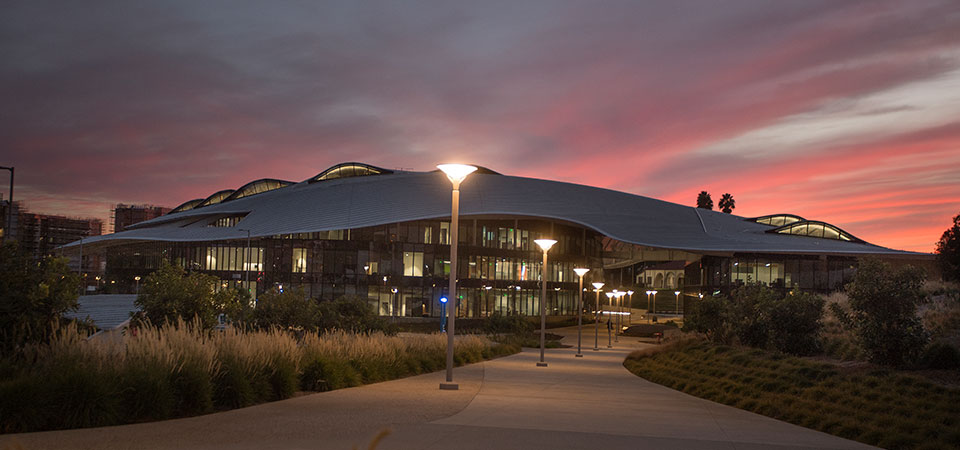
<point x="883" y="312"/>
<point x="291" y="309"/>
<point x="758" y="316"/>
<point x="498" y="323"/>
<point x="353" y="314"/>
<point x="169" y="294"/>
<point x="32" y="296"/>
<point x="940" y="356"/>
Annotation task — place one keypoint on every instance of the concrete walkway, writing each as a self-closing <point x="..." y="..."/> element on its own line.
<point x="589" y="402"/>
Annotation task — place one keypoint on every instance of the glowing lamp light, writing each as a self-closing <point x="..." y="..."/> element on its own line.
<point x="629" y="292"/>
<point x="545" y="244"/>
<point x="456" y="172"/>
<point x="676" y="292"/>
<point x="443" y="299"/>
<point x="598" y="285"/>
<point x="581" y="271"/>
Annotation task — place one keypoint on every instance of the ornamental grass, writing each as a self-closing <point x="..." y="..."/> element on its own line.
<point x="180" y="370"/>
<point x="880" y="407"/>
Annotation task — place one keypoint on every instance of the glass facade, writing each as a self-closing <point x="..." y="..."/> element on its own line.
<point x="402" y="268"/>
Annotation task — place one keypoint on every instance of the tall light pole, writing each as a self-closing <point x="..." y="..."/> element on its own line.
<point x="609" y="322"/>
<point x="677" y="293"/>
<point x="596" y="315"/>
<point x="620" y="296"/>
<point x="137" y="279"/>
<point x="580" y="273"/>
<point x="456" y="173"/>
<point x="648" y="302"/>
<point x="654" y="292"/>
<point x="246" y="260"/>
<point x="630" y="309"/>
<point x="616" y="320"/>
<point x="544" y="245"/>
<point x="9" y="217"/>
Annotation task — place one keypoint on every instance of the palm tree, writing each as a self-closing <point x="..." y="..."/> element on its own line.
<point x="727" y="203"/>
<point x="704" y="201"/>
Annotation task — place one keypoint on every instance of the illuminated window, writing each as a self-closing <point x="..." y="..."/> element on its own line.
<point x="257" y="187"/>
<point x="413" y="264"/>
<point x="445" y="233"/>
<point x="186" y="206"/>
<point x="299" y="260"/>
<point x="816" y="229"/>
<point x="229" y="221"/>
<point x="215" y="198"/>
<point x="777" y="220"/>
<point x="348" y="170"/>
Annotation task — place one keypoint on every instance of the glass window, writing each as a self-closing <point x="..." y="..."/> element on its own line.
<point x="299" y="260"/>
<point x="444" y="233"/>
<point x="413" y="264"/>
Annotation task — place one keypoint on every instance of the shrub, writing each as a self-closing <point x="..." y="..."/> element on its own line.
<point x="32" y="295"/>
<point x="169" y="294"/>
<point x="499" y="323"/>
<point x="883" y="312"/>
<point x="290" y="309"/>
<point x="353" y="314"/>
<point x="795" y="323"/>
<point x="940" y="356"/>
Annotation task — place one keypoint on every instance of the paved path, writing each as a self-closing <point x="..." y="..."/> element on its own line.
<point x="589" y="402"/>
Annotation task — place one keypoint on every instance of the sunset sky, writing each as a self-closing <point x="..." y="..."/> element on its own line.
<point x="841" y="111"/>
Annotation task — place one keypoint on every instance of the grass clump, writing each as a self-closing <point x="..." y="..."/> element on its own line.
<point x="881" y="408"/>
<point x="180" y="370"/>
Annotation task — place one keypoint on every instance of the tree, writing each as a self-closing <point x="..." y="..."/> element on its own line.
<point x="32" y="295"/>
<point x="948" y="251"/>
<point x="290" y="309"/>
<point x="169" y="293"/>
<point x="727" y="203"/>
<point x="704" y="201"/>
<point x="883" y="303"/>
<point x="352" y="314"/>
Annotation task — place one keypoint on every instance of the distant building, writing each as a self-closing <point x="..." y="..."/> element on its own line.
<point x="126" y="215"/>
<point x="39" y="235"/>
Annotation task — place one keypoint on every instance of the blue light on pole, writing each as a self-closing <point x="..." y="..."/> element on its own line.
<point x="443" y="316"/>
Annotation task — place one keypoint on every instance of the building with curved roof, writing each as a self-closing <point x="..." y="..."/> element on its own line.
<point x="357" y="229"/>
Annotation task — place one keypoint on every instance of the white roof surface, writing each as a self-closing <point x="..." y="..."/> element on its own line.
<point x="399" y="197"/>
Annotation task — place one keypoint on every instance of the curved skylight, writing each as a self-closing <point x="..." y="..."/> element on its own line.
<point x="215" y="198"/>
<point x="777" y="220"/>
<point x="350" y="169"/>
<point x="186" y="206"/>
<point x="816" y="229"/>
<point x="257" y="187"/>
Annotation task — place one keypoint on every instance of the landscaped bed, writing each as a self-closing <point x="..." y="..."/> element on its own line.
<point x="880" y="407"/>
<point x="180" y="371"/>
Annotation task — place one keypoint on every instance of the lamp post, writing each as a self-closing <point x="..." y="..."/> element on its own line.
<point x="677" y="293"/>
<point x="654" y="292"/>
<point x="609" y="324"/>
<point x="246" y="259"/>
<point x="580" y="273"/>
<point x="545" y="245"/>
<point x="596" y="315"/>
<point x="630" y="307"/>
<point x="620" y="296"/>
<point x="456" y="174"/>
<point x="616" y="320"/>
<point x="137" y="279"/>
<point x="98" y="284"/>
<point x="395" y="301"/>
<point x="9" y="217"/>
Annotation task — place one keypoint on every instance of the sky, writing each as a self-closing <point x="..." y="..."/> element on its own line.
<point x="841" y="111"/>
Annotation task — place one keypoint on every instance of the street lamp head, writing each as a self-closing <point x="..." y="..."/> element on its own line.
<point x="488" y="287"/>
<point x="394" y="290"/>
<point x="701" y="295"/>
<point x="137" y="278"/>
<point x="653" y="292"/>
<point x="443" y="299"/>
<point x="649" y="292"/>
<point x="598" y="285"/>
<point x="456" y="172"/>
<point x="581" y="271"/>
<point x="676" y="292"/>
<point x="629" y="292"/>
<point x="610" y="294"/>
<point x="545" y="244"/>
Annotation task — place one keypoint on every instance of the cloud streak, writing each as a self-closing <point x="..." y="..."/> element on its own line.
<point x="840" y="112"/>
